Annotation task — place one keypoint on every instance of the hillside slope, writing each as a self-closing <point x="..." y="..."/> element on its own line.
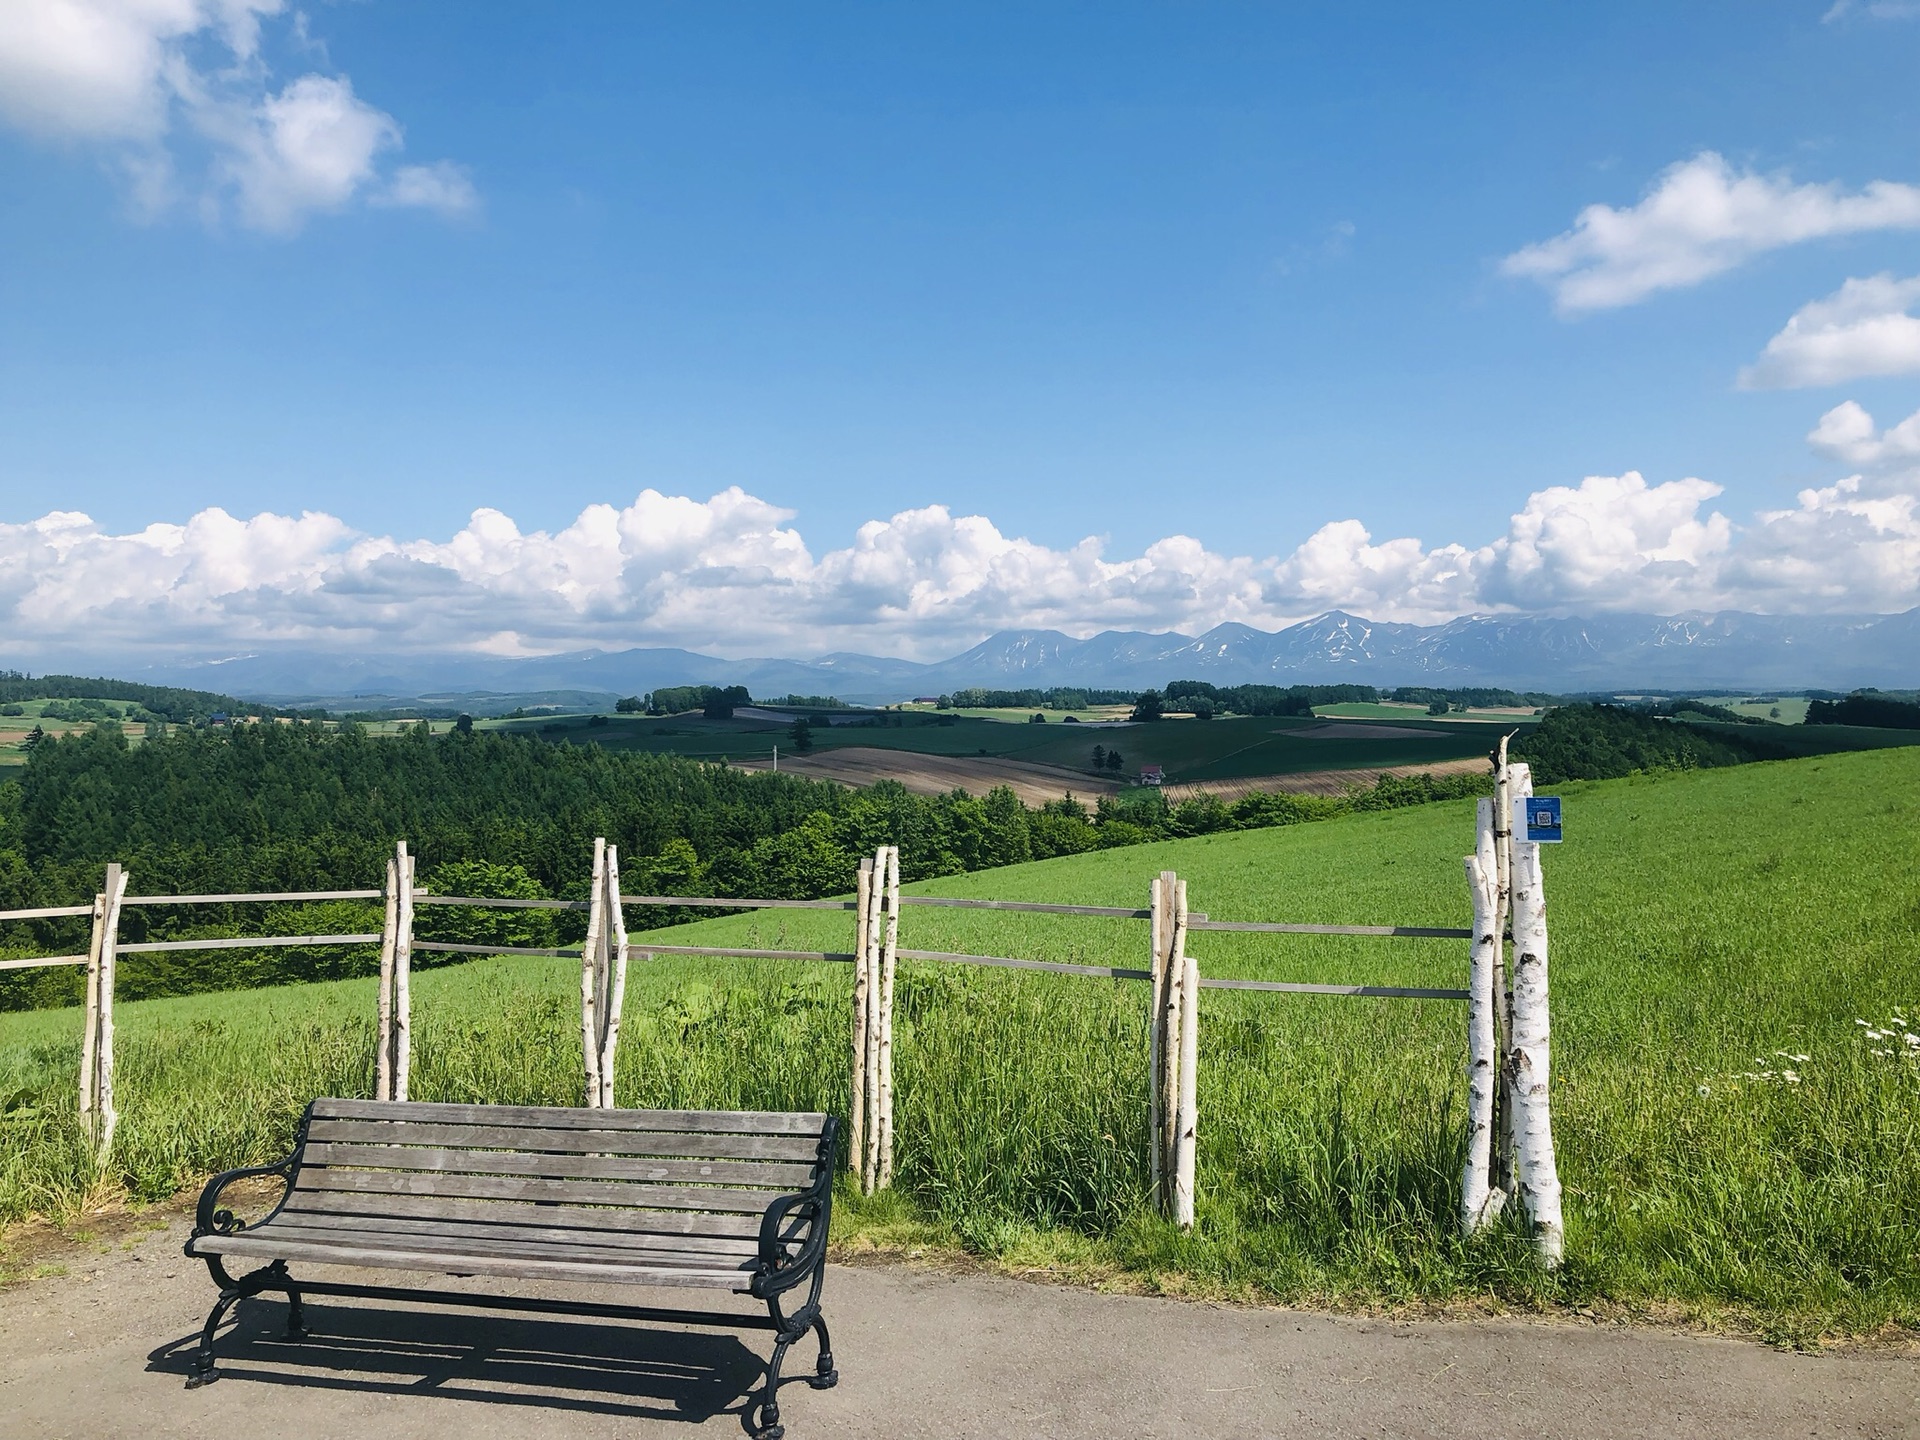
<point x="1729" y="1141"/>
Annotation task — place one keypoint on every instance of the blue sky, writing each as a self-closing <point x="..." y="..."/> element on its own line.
<point x="1097" y="315"/>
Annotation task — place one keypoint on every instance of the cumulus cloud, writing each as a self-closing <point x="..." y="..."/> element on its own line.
<point x="1860" y="330"/>
<point x="733" y="574"/>
<point x="167" y="89"/>
<point x="1847" y="433"/>
<point x="1701" y="218"/>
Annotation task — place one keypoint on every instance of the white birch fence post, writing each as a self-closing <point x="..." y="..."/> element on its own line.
<point x="402" y="971"/>
<point x="1480" y="1199"/>
<point x="615" y="944"/>
<point x="1502" y="1177"/>
<point x="862" y="1020"/>
<point x="1158" y="925"/>
<point x="593" y="972"/>
<point x="389" y="930"/>
<point x="1528" y="1067"/>
<point x="90" y="1036"/>
<point x="1187" y="1121"/>
<point x="876" y="1002"/>
<point x="890" y="946"/>
<point x="97" y="1110"/>
<point x="1171" y="1013"/>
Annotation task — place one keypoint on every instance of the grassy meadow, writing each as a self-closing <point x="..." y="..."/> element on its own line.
<point x="1732" y="1148"/>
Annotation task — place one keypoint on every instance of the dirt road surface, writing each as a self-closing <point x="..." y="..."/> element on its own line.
<point x="102" y="1352"/>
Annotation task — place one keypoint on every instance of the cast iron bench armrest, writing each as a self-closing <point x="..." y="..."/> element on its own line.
<point x="208" y="1220"/>
<point x="778" y="1271"/>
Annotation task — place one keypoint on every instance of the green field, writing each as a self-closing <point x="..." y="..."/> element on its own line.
<point x="1710" y="929"/>
<point x="1225" y="749"/>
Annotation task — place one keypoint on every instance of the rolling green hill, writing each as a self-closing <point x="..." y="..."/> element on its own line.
<point x="1730" y="1143"/>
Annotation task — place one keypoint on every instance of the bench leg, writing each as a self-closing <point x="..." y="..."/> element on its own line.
<point x="296" y="1318"/>
<point x="825" y="1377"/>
<point x="232" y="1291"/>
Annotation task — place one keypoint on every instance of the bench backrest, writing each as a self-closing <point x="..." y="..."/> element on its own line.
<point x="665" y="1172"/>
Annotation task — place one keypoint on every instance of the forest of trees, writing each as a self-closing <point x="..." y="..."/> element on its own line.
<point x="301" y="807"/>
<point x="177" y="707"/>
<point x="1865" y="708"/>
<point x="1605" y="742"/>
<point x="1060" y="697"/>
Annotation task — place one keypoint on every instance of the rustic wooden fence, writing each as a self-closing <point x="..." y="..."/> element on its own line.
<point x="1509" y="1139"/>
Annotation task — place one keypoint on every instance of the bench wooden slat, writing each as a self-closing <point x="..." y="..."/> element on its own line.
<point x="727" y="1122"/>
<point x="266" y="1247"/>
<point x="721" y="1247"/>
<point x="588" y="1192"/>
<point x="455" y="1248"/>
<point x="774" y="1176"/>
<point x="688" y="1143"/>
<point x="513" y="1212"/>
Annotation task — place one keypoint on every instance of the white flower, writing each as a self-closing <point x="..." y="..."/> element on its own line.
<point x="1702" y="1090"/>
<point x="1790" y="1076"/>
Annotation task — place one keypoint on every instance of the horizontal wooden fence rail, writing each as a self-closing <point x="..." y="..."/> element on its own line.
<point x="280" y="897"/>
<point x="34" y="961"/>
<point x="46" y="912"/>
<point x="719" y="903"/>
<point x="421" y="897"/>
<point x="161" y="947"/>
<point x="1263" y="927"/>
<point x="449" y="947"/>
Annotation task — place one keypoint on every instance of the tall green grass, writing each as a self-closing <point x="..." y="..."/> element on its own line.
<point x="1702" y="923"/>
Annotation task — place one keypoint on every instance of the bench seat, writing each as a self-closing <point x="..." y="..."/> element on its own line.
<point x="725" y="1200"/>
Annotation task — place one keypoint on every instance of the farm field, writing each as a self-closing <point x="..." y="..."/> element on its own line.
<point x="1733" y="1149"/>
<point x="1188" y="750"/>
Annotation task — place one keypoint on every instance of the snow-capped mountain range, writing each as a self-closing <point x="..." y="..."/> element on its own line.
<point x="1726" y="650"/>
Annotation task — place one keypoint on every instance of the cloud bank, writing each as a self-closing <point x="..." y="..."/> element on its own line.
<point x="177" y="96"/>
<point x="1700" y="219"/>
<point x="732" y="574"/>
<point x="1863" y="329"/>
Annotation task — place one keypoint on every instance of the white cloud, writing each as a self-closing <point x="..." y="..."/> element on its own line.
<point x="444" y="186"/>
<point x="1862" y="329"/>
<point x="137" y="79"/>
<point x="1873" y="10"/>
<point x="1700" y="219"/>
<point x="732" y="574"/>
<point x="1847" y="433"/>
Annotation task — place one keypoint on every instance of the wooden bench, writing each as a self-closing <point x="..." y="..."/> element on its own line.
<point x="722" y="1200"/>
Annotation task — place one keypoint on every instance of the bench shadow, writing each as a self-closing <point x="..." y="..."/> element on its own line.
<point x="601" y="1368"/>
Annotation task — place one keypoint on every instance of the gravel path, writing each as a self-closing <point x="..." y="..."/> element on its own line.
<point x="101" y="1352"/>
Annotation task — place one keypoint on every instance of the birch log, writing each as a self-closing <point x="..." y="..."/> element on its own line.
<point x="1170" y="1014"/>
<point x="90" y="1036"/>
<point x="1480" y="1199"/>
<point x="617" y="978"/>
<point x="888" y="955"/>
<point x="1156" y="1021"/>
<point x="592" y="972"/>
<point x="383" y="1059"/>
<point x="402" y="971"/>
<point x="1503" y="976"/>
<point x="876" y="998"/>
<point x="1529" y="1068"/>
<point x="109" y="943"/>
<point x="862" y="999"/>
<point x="1189" y="972"/>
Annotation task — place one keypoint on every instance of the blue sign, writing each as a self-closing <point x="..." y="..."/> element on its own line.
<point x="1538" y="819"/>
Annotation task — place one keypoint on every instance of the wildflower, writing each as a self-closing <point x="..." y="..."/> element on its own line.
<point x="1792" y="1077"/>
<point x="1702" y="1090"/>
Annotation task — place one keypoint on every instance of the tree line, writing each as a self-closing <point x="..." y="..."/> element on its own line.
<point x="305" y="807"/>
<point x="1865" y="708"/>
